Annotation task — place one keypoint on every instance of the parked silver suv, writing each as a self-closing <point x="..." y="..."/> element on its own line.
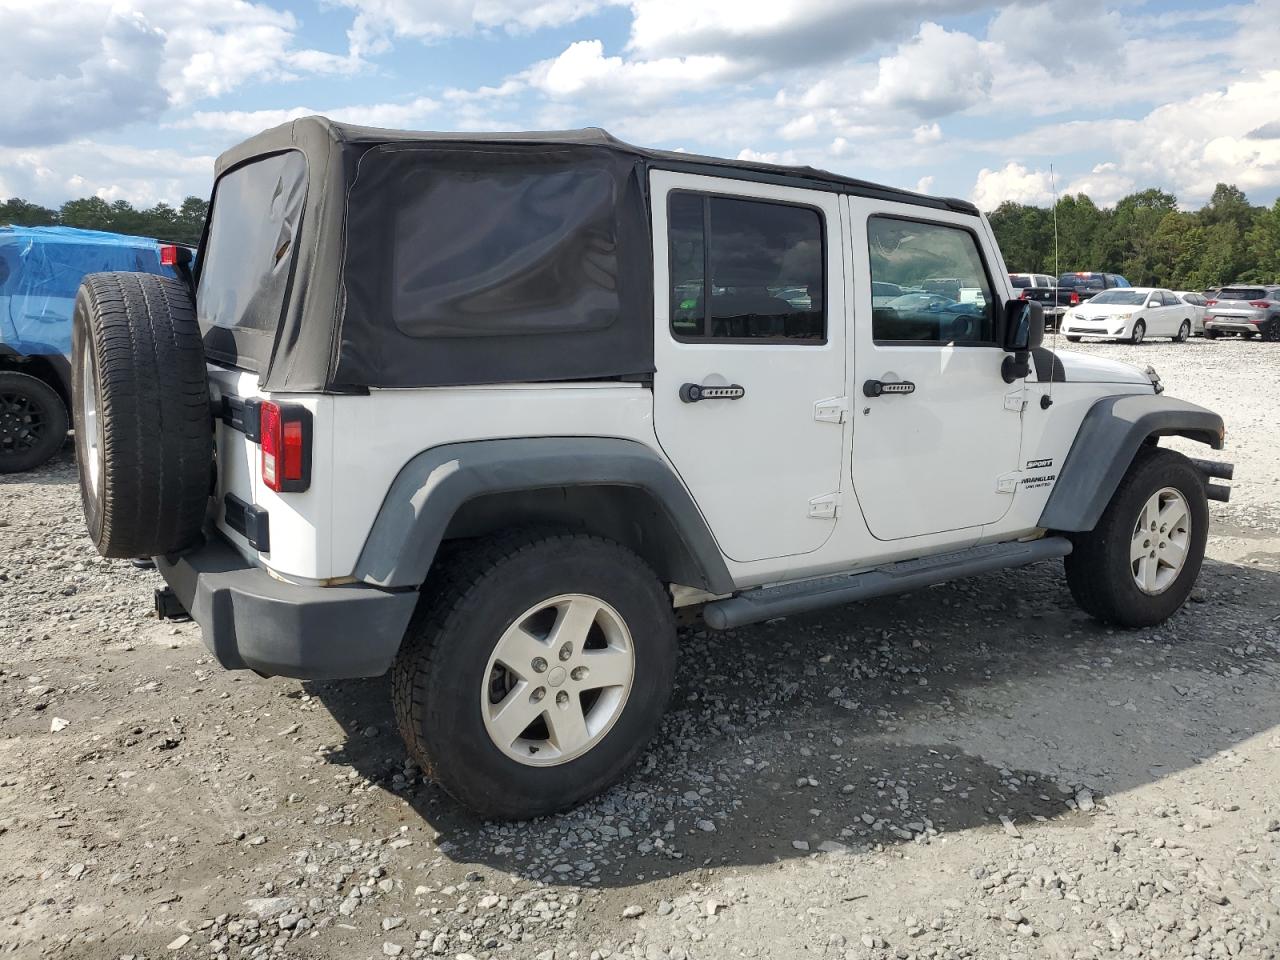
<point x="1247" y="309"/>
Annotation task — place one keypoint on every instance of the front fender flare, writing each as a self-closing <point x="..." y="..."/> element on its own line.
<point x="432" y="486"/>
<point x="1110" y="435"/>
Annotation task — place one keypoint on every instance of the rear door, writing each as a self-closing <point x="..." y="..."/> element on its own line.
<point x="936" y="430"/>
<point x="749" y="346"/>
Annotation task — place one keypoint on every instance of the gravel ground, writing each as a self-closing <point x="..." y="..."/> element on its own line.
<point x="975" y="770"/>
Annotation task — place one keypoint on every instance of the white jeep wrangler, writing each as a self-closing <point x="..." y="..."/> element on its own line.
<point x="485" y="409"/>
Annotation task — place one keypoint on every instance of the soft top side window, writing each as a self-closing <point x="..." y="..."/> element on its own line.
<point x="947" y="296"/>
<point x="746" y="270"/>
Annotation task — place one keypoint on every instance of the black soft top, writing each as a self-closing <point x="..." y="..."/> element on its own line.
<point x="434" y="259"/>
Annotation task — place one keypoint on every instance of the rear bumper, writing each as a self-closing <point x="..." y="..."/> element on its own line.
<point x="1234" y="324"/>
<point x="250" y="620"/>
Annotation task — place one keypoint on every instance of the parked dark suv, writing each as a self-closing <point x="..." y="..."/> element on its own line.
<point x="1087" y="284"/>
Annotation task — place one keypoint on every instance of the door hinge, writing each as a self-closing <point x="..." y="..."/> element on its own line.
<point x="831" y="410"/>
<point x="1008" y="482"/>
<point x="1015" y="400"/>
<point x="825" y="508"/>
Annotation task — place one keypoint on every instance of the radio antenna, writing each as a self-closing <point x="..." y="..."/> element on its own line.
<point x="1046" y="401"/>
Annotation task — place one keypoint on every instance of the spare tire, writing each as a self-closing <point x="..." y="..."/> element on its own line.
<point x="140" y="401"/>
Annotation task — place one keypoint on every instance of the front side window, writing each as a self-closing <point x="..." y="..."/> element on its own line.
<point x="946" y="293"/>
<point x="745" y="270"/>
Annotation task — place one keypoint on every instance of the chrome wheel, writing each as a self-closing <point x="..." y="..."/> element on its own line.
<point x="558" y="680"/>
<point x="89" y="418"/>
<point x="1161" y="537"/>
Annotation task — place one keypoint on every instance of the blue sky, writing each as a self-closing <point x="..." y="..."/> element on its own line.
<point x="966" y="98"/>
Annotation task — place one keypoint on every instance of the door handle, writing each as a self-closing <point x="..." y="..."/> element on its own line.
<point x="693" y="392"/>
<point x="878" y="388"/>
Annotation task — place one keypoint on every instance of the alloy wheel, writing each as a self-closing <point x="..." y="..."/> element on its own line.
<point x="558" y="679"/>
<point x="22" y="422"/>
<point x="1161" y="537"/>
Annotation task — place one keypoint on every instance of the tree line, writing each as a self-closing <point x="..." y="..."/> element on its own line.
<point x="1146" y="239"/>
<point x="181" y="224"/>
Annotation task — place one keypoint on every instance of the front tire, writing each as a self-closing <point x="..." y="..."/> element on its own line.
<point x="1138" y="565"/>
<point x="33" y="421"/>
<point x="537" y="669"/>
<point x="1139" y="332"/>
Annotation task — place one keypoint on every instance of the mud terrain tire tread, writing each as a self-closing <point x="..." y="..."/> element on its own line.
<point x="154" y="431"/>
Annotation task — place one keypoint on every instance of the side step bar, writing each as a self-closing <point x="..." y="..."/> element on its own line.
<point x="764" y="603"/>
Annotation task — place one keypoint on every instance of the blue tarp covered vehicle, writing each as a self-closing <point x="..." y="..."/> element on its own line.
<point x="40" y="271"/>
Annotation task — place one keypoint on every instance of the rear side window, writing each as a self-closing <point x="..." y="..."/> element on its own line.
<point x="245" y="266"/>
<point x="746" y="270"/>
<point x="1020" y="283"/>
<point x="947" y="295"/>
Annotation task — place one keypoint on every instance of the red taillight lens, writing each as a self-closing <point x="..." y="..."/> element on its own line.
<point x="271" y="441"/>
<point x="1075" y="298"/>
<point x="1210" y="303"/>
<point x="1260" y="303"/>
<point x="1022" y="295"/>
<point x="169" y="255"/>
<point x="284" y="435"/>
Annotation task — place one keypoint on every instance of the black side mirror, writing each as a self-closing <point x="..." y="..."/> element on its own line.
<point x="1023" y="330"/>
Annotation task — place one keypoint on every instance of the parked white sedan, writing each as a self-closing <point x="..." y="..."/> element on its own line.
<point x="1198" y="302"/>
<point x="1131" y="314"/>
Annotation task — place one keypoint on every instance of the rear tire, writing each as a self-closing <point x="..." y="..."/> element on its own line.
<point x="1123" y="572"/>
<point x="484" y="640"/>
<point x="140" y="396"/>
<point x="1184" y="332"/>
<point x="1212" y="334"/>
<point x="33" y="421"/>
<point x="1071" y="339"/>
<point x="1272" y="333"/>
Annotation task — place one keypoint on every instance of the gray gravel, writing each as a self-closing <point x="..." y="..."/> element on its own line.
<point x="975" y="770"/>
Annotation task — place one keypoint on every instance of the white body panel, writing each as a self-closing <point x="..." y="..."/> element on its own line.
<point x="763" y="456"/>
<point x="961" y="461"/>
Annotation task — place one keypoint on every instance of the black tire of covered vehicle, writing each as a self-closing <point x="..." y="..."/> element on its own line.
<point x="140" y="398"/>
<point x="451" y="680"/>
<point x="1103" y="568"/>
<point x="33" y="421"/>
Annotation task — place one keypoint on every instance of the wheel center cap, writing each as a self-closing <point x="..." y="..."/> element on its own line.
<point x="557" y="676"/>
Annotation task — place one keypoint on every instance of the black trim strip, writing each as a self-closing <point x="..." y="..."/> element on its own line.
<point x="243" y="415"/>
<point x="248" y="520"/>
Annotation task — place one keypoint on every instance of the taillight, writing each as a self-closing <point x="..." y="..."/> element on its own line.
<point x="1263" y="304"/>
<point x="284" y="435"/>
<point x="169" y="255"/>
<point x="1210" y="303"/>
<point x="1075" y="299"/>
<point x="1022" y="295"/>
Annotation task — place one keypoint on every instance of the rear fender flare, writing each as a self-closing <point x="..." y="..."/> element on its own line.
<point x="436" y="483"/>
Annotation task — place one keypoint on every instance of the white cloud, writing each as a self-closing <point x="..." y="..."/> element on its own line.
<point x="778" y="35"/>
<point x="926" y="133"/>
<point x="377" y="22"/>
<point x="583" y="68"/>
<point x="939" y="72"/>
<point x="245" y="123"/>
<point x="1104" y="184"/>
<point x="925" y="185"/>
<point x="72" y="69"/>
<point x="1013" y="182"/>
<point x="51" y="175"/>
<point x="767" y="156"/>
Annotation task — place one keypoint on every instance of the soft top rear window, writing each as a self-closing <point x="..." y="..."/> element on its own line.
<point x="1242" y="293"/>
<point x="245" y="265"/>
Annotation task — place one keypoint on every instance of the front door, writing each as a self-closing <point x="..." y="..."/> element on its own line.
<point x="749" y="341"/>
<point x="937" y="431"/>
